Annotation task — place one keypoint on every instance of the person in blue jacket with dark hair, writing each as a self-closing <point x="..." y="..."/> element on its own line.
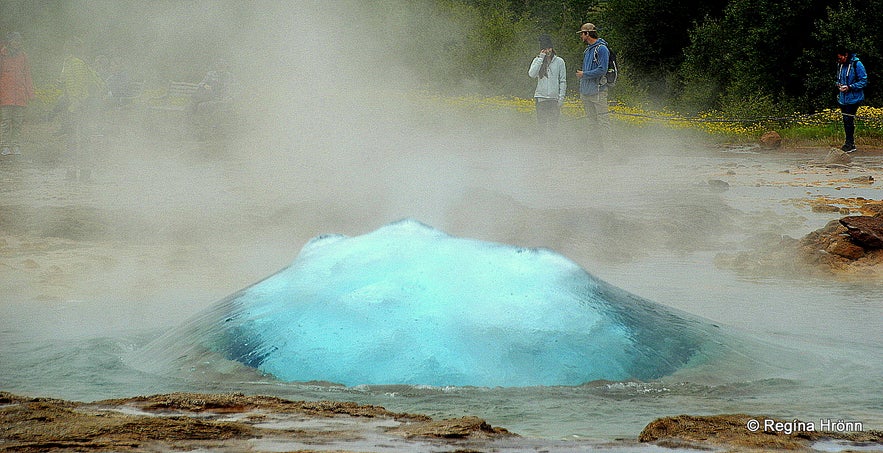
<point x="851" y="81"/>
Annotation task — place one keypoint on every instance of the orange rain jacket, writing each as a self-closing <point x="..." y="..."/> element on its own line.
<point x="16" y="85"/>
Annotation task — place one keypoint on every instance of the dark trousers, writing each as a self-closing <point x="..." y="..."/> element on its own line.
<point x="548" y="113"/>
<point x="848" y="111"/>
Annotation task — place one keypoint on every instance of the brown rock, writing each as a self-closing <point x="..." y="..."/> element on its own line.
<point x="828" y="251"/>
<point x="771" y="140"/>
<point x="862" y="179"/>
<point x="837" y="156"/>
<point x="453" y="428"/>
<point x="873" y="209"/>
<point x="865" y="230"/>
<point x="731" y="432"/>
<point x="846" y="249"/>
<point x="825" y="208"/>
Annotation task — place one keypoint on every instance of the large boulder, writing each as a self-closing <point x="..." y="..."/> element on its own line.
<point x="771" y="140"/>
<point x="865" y="230"/>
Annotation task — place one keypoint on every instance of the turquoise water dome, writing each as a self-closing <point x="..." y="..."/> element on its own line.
<point x="408" y="304"/>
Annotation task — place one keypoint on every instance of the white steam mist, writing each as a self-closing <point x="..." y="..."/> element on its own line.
<point x="332" y="137"/>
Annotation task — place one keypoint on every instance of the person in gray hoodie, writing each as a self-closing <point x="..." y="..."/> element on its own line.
<point x="593" y="85"/>
<point x="551" y="74"/>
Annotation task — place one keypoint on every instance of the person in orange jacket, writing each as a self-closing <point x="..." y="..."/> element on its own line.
<point x="16" y="89"/>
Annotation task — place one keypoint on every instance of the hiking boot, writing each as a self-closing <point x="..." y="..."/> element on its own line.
<point x="5" y="151"/>
<point x="848" y="149"/>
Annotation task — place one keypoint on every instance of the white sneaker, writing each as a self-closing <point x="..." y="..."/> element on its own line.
<point x="5" y="151"/>
<point x="16" y="150"/>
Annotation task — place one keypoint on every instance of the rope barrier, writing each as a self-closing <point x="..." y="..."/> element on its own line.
<point x="756" y="119"/>
<point x="820" y="118"/>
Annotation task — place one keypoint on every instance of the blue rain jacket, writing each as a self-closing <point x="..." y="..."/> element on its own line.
<point x="854" y="75"/>
<point x="595" y="60"/>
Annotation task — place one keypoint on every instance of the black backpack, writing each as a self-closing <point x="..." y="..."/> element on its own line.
<point x="612" y="69"/>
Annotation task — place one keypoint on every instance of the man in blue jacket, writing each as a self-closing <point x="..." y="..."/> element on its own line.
<point x="593" y="84"/>
<point x="851" y="81"/>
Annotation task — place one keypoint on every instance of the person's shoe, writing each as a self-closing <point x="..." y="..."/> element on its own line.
<point x="5" y="151"/>
<point x="848" y="149"/>
<point x="16" y="150"/>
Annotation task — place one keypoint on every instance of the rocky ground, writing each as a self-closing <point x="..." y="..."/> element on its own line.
<point x="236" y="422"/>
<point x="850" y="246"/>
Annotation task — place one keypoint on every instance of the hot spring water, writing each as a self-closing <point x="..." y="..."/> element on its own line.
<point x="716" y="343"/>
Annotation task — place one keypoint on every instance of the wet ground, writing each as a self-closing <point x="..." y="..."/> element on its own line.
<point x="162" y="228"/>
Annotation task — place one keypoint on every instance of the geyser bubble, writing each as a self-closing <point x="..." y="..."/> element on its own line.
<point x="408" y="304"/>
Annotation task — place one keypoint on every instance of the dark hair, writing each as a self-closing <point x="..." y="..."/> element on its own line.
<point x="843" y="50"/>
<point x="593" y="34"/>
<point x="544" y="69"/>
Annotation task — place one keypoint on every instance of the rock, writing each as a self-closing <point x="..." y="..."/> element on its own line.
<point x="732" y="432"/>
<point x="826" y="208"/>
<point x="828" y="251"/>
<point x="453" y="428"/>
<point x="771" y="140"/>
<point x="865" y="230"/>
<point x="845" y="248"/>
<point x="863" y="180"/>
<point x="837" y="156"/>
<point x="873" y="209"/>
<point x="716" y="185"/>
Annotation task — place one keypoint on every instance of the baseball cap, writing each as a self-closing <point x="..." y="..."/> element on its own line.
<point x="587" y="27"/>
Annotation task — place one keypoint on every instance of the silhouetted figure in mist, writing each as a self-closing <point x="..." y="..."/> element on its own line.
<point x="78" y="108"/>
<point x="118" y="83"/>
<point x="214" y="96"/>
<point x="16" y="89"/>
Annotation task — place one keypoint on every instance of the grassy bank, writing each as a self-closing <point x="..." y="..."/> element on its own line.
<point x="820" y="129"/>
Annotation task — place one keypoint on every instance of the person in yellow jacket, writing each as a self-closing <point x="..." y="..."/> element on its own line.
<point x="81" y="94"/>
<point x="79" y="82"/>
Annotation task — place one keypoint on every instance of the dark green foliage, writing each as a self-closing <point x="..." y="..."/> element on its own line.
<point x="653" y="33"/>
<point x="742" y="56"/>
<point x="848" y="23"/>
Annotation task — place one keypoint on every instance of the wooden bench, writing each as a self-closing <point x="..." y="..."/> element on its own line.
<point x="177" y="97"/>
<point x="136" y="87"/>
<point x="130" y="97"/>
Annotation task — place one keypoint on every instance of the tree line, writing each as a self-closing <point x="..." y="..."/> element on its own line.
<point x="741" y="57"/>
<point x="760" y="57"/>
